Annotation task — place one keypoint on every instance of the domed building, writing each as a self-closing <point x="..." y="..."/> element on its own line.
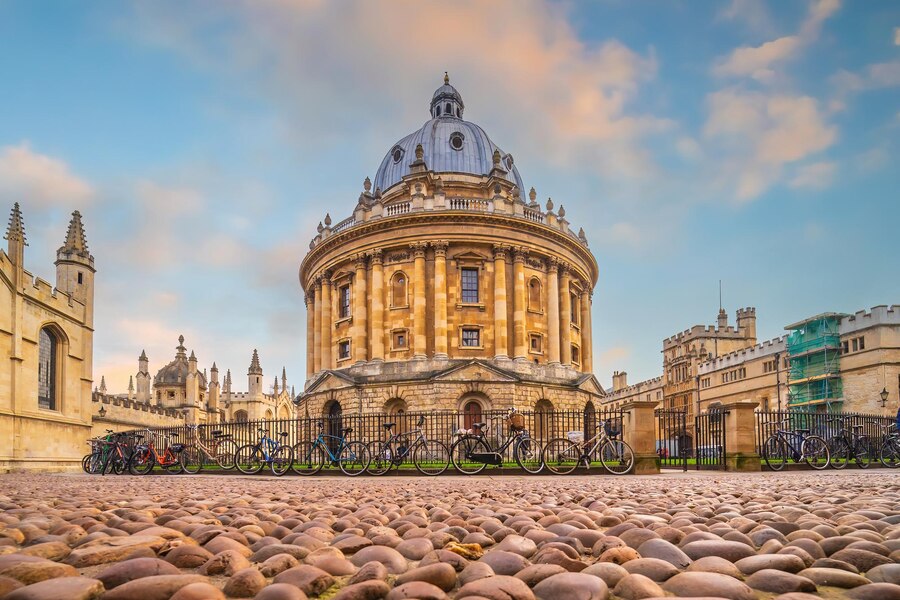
<point x="448" y="288"/>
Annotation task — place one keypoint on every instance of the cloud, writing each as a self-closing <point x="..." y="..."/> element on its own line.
<point x="897" y="36"/>
<point x="872" y="77"/>
<point x="40" y="180"/>
<point x="814" y="176"/>
<point x="757" y="134"/>
<point x="750" y="13"/>
<point x="612" y="357"/>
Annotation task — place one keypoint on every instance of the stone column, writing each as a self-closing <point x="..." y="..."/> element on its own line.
<point x="419" y="339"/>
<point x="501" y="334"/>
<point x="587" y="356"/>
<point x="639" y="431"/>
<point x="327" y="323"/>
<point x="317" y="328"/>
<point x="440" y="299"/>
<point x="553" y="310"/>
<point x="310" y="334"/>
<point x="520" y="344"/>
<point x="739" y="421"/>
<point x="565" y="316"/>
<point x="360" y="309"/>
<point x="377" y="319"/>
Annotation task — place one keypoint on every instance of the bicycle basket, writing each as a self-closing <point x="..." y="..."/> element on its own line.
<point x="576" y="437"/>
<point x="516" y="422"/>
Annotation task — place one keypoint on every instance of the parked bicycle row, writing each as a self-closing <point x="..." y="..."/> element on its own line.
<point x="471" y="451"/>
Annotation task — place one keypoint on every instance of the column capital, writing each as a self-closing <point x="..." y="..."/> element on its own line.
<point x="307" y="300"/>
<point x="553" y="264"/>
<point x="418" y="249"/>
<point x="376" y="256"/>
<point x="440" y="247"/>
<point x="520" y="253"/>
<point x="360" y="261"/>
<point x="500" y="251"/>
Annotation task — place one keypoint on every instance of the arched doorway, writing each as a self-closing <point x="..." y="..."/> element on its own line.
<point x="590" y="420"/>
<point x="240" y="416"/>
<point x="333" y="424"/>
<point x="396" y="410"/>
<point x="543" y="420"/>
<point x="472" y="413"/>
<point x="284" y="413"/>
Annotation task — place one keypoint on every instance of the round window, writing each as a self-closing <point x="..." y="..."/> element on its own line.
<point x="456" y="140"/>
<point x="397" y="154"/>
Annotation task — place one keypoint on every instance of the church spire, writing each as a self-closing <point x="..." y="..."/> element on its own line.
<point x="75" y="242"/>
<point x="255" y="369"/>
<point x="15" y="234"/>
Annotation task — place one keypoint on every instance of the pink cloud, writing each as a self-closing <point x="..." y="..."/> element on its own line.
<point x="40" y="179"/>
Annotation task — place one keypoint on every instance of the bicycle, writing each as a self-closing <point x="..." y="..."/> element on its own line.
<point x="797" y="445"/>
<point x="250" y="458"/>
<point x="117" y="455"/>
<point x="889" y="453"/>
<point x="849" y="444"/>
<point x="564" y="455"/>
<point x="472" y="452"/>
<point x="146" y="456"/>
<point x="430" y="457"/>
<point x="221" y="450"/>
<point x="92" y="463"/>
<point x="352" y="458"/>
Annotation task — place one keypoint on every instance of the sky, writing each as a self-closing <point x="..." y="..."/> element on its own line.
<point x="745" y="141"/>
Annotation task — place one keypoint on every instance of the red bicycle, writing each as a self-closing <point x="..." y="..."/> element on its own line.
<point x="146" y="456"/>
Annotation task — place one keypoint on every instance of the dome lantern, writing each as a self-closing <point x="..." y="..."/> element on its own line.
<point x="446" y="101"/>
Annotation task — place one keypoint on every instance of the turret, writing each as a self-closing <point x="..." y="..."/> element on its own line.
<point x="254" y="376"/>
<point x="15" y="236"/>
<point x="103" y="384"/>
<point x="283" y="379"/>
<point x="213" y="397"/>
<point x="144" y="380"/>
<point x="75" y="267"/>
<point x="746" y="321"/>
<point x="131" y="387"/>
<point x="192" y="382"/>
<point x="722" y="320"/>
<point x="275" y="387"/>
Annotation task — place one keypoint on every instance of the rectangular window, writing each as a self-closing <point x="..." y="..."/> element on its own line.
<point x="343" y="349"/>
<point x="576" y="355"/>
<point x="80" y="279"/>
<point x="576" y="311"/>
<point x="399" y="339"/>
<point x="469" y="285"/>
<point x="862" y="343"/>
<point x="845" y="347"/>
<point x="855" y="344"/>
<point x="344" y="296"/>
<point x="536" y="343"/>
<point x="471" y="338"/>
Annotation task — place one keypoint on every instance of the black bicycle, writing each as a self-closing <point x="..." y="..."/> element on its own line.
<point x="890" y="446"/>
<point x="849" y="444"/>
<point x="430" y="457"/>
<point x="795" y="445"/>
<point x="472" y="452"/>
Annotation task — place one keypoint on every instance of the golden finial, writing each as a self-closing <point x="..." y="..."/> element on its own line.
<point x="446" y="78"/>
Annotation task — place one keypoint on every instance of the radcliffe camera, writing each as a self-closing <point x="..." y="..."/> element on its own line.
<point x="482" y="300"/>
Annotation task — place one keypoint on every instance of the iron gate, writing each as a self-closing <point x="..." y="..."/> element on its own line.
<point x="674" y="444"/>
<point x="709" y="447"/>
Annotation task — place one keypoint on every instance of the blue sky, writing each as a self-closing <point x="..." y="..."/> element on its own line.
<point x="753" y="142"/>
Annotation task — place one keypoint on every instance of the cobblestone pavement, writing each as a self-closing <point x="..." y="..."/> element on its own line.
<point x="793" y="536"/>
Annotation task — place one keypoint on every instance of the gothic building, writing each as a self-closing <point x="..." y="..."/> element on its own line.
<point x="447" y="287"/>
<point x="47" y="333"/>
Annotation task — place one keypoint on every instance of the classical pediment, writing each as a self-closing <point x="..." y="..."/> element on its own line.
<point x="329" y="380"/>
<point x="470" y="256"/>
<point x="590" y="384"/>
<point x="475" y="371"/>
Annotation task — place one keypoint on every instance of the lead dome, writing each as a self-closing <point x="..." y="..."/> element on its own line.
<point x="449" y="144"/>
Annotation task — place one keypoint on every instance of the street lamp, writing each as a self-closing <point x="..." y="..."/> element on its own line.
<point x="884" y="397"/>
<point x="102" y="411"/>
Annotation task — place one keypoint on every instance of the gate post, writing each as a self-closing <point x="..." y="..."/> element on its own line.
<point x="639" y="430"/>
<point x="740" y="436"/>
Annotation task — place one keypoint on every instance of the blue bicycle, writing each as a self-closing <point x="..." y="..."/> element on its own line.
<point x="352" y="458"/>
<point x="251" y="458"/>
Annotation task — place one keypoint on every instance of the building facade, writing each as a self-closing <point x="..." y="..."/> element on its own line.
<point x="47" y="333"/>
<point x="447" y="288"/>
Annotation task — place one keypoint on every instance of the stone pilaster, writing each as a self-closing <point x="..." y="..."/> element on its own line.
<point x="740" y="436"/>
<point x="501" y="335"/>
<point x="587" y="355"/>
<point x="377" y="317"/>
<point x="440" y="299"/>
<point x="360" y="310"/>
<point x="327" y="323"/>
<point x="553" y="325"/>
<point x="565" y="316"/>
<point x="310" y="334"/>
<point x="520" y="344"/>
<point x="317" y="326"/>
<point x="419" y="338"/>
<point x="639" y="431"/>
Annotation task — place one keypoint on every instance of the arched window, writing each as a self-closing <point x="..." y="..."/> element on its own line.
<point x="240" y="416"/>
<point x="48" y="349"/>
<point x="269" y="414"/>
<point x="399" y="290"/>
<point x="534" y="294"/>
<point x="590" y="420"/>
<point x="471" y="413"/>
<point x="447" y="109"/>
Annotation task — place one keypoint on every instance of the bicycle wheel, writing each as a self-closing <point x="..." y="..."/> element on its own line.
<point x="839" y="448"/>
<point x="191" y="460"/>
<point x="86" y="463"/>
<point x="309" y="458"/>
<point x="561" y="456"/>
<point x="775" y="453"/>
<point x="95" y="463"/>
<point x="381" y="458"/>
<point x="527" y="453"/>
<point x="120" y="464"/>
<point x="172" y="464"/>
<point x="249" y="459"/>
<point x="431" y="457"/>
<point x="863" y="455"/>
<point x="815" y="452"/>
<point x="353" y="459"/>
<point x="890" y="453"/>
<point x="225" y="451"/>
<point x="617" y="457"/>
<point x="461" y="454"/>
<point x="281" y="460"/>
<point x="141" y="462"/>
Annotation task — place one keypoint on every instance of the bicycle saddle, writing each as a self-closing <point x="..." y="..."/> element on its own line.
<point x="801" y="431"/>
<point x="478" y="425"/>
<point x="282" y="433"/>
<point x="347" y="430"/>
<point x="217" y="432"/>
<point x="388" y="425"/>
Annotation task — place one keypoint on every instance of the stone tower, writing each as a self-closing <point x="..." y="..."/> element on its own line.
<point x="213" y="400"/>
<point x="254" y="377"/>
<point x="144" y="380"/>
<point x="75" y="268"/>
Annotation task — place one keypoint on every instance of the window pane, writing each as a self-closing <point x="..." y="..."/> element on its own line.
<point x="470" y="285"/>
<point x="345" y="302"/>
<point x="47" y="371"/>
<point x="470" y="337"/>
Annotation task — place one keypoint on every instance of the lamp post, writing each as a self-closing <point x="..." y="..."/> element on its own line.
<point x="102" y="411"/>
<point x="884" y="397"/>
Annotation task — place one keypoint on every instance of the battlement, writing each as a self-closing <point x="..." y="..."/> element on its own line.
<point x="133" y="405"/>
<point x="877" y="315"/>
<point x="635" y="388"/>
<point x="712" y="331"/>
<point x="42" y="291"/>
<point x="750" y="311"/>
<point x="738" y="357"/>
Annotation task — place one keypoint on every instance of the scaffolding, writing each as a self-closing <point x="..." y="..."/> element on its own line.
<point x="814" y="375"/>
